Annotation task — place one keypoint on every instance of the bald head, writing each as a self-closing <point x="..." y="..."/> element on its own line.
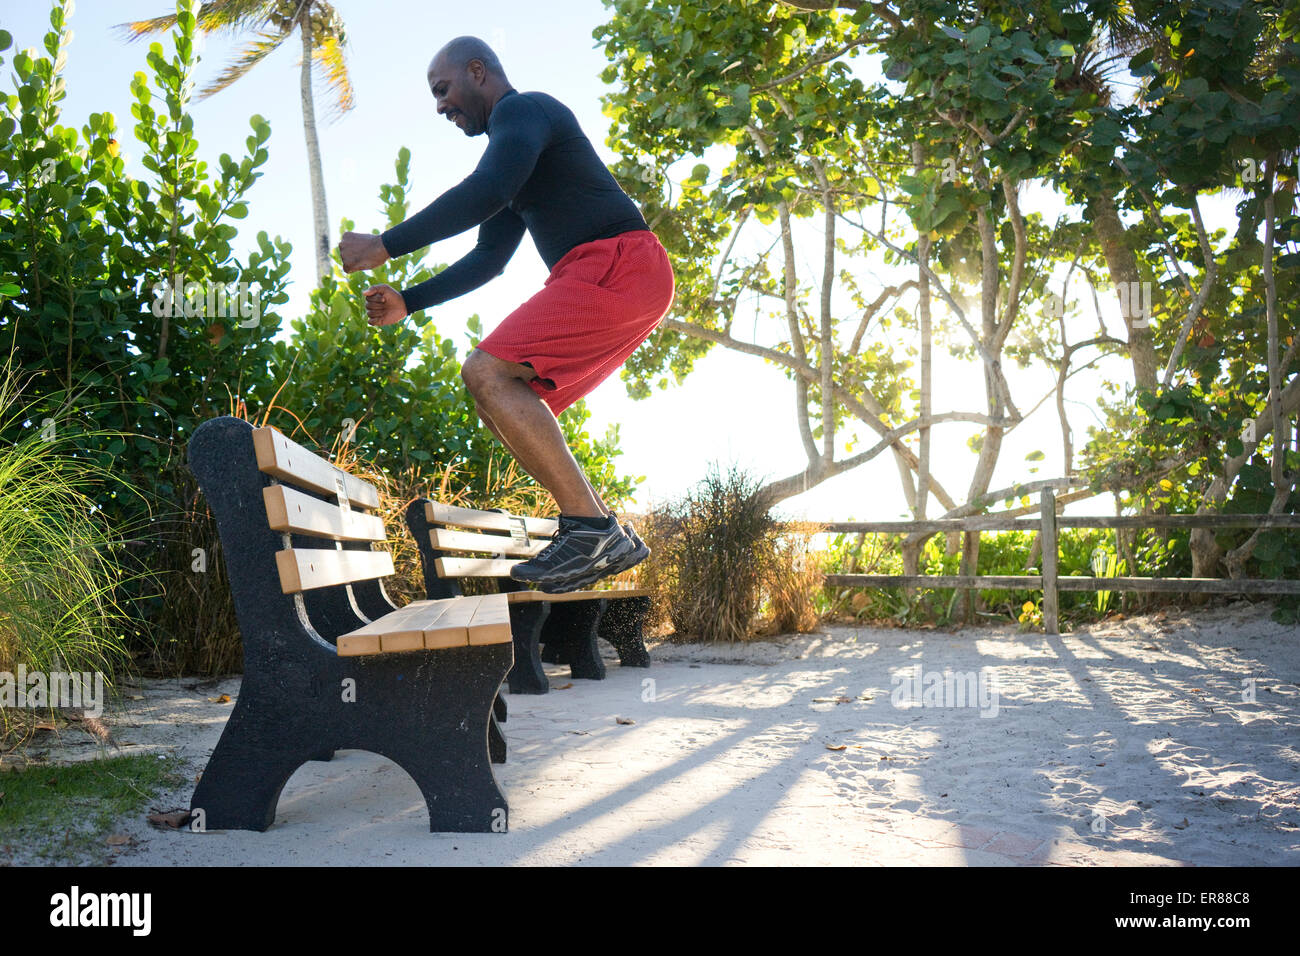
<point x="458" y="53"/>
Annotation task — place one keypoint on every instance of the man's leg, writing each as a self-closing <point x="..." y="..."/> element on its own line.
<point x="492" y="427"/>
<point x="526" y="426"/>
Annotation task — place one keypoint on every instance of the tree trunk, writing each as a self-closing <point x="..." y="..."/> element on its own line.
<point x="319" y="215"/>
<point x="1123" y="268"/>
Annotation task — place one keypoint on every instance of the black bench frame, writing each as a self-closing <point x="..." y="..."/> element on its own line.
<point x="433" y="713"/>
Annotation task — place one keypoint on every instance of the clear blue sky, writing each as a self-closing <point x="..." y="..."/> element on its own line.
<point x="733" y="409"/>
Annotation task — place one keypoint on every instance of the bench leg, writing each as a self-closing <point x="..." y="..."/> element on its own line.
<point x="253" y="760"/>
<point x="496" y="741"/>
<point x="526" y="623"/>
<point x="499" y="708"/>
<point x="448" y="696"/>
<point x="572" y="626"/>
<point x="622" y="625"/>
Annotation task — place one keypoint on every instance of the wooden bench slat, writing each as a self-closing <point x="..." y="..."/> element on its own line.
<point x="289" y="461"/>
<point x="402" y="630"/>
<point x="453" y="626"/>
<point x="303" y="569"/>
<point x="437" y="513"/>
<point x="491" y="623"/>
<point x="423" y="613"/>
<point x="447" y="539"/>
<point x="288" y="509"/>
<point x="433" y="625"/>
<point x="474" y="567"/>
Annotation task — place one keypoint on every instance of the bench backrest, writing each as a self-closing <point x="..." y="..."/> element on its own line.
<point x="459" y="543"/>
<point x="293" y="523"/>
<point x="293" y="508"/>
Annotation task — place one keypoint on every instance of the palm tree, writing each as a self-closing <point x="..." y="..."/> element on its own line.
<point x="323" y="39"/>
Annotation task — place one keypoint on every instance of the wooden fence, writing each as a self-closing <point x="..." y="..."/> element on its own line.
<point x="1050" y="582"/>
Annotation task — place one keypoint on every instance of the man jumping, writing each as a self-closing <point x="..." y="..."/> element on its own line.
<point x="609" y="286"/>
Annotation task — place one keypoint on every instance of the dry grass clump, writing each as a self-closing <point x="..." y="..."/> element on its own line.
<point x="723" y="570"/>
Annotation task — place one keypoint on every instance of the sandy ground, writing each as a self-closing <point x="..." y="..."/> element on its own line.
<point x="1132" y="742"/>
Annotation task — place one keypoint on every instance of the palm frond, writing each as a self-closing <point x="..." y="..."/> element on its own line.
<point x="252" y="54"/>
<point x="233" y="16"/>
<point x="328" y="55"/>
<point x="215" y="16"/>
<point x="135" y="29"/>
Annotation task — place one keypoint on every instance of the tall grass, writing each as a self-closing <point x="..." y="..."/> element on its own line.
<point x="60" y="563"/>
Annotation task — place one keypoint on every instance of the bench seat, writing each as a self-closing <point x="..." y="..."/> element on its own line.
<point x="433" y="625"/>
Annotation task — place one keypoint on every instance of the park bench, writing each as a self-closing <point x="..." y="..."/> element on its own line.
<point x="457" y="543"/>
<point x="330" y="663"/>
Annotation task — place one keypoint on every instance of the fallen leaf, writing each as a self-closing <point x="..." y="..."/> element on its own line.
<point x="1182" y="826"/>
<point x="118" y="839"/>
<point x="624" y="720"/>
<point x="1150" y="647"/>
<point x="836" y="746"/>
<point x="832" y="700"/>
<point x="223" y="699"/>
<point x="136" y="697"/>
<point x="169" y="819"/>
<point x="564" y="686"/>
<point x="95" y="727"/>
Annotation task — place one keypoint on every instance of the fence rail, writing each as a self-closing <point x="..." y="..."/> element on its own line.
<point x="1050" y="581"/>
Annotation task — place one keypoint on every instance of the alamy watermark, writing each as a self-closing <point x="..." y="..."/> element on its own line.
<point x="209" y="300"/>
<point x="75" y="690"/>
<point x="915" y="687"/>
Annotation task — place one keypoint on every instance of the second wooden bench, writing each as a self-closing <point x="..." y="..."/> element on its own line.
<point x="457" y="543"/>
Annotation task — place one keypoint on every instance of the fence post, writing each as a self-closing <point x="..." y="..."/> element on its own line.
<point x="1047" y="500"/>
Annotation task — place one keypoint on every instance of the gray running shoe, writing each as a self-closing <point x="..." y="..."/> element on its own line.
<point x="575" y="553"/>
<point x="634" y="556"/>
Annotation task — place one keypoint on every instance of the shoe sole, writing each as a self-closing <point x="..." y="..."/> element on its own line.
<point x="578" y="583"/>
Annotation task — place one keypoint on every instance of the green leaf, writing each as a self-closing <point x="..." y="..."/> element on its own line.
<point x="1141" y="59"/>
<point x="911" y="185"/>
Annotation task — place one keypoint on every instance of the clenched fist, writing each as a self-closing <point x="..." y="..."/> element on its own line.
<point x="384" y="305"/>
<point x="360" y="251"/>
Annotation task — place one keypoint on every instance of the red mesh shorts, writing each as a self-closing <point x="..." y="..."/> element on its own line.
<point x="600" y="302"/>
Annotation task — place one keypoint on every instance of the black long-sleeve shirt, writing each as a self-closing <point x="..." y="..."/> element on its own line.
<point x="540" y="173"/>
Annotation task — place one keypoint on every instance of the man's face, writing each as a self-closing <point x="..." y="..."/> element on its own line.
<point x="459" y="95"/>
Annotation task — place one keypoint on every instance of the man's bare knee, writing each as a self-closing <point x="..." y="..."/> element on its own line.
<point x="481" y="371"/>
